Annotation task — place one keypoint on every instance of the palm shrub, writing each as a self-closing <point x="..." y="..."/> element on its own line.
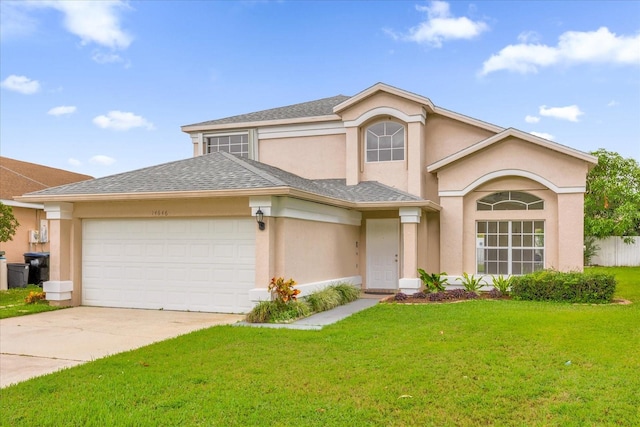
<point x="471" y="283"/>
<point x="434" y="282"/>
<point x="502" y="284"/>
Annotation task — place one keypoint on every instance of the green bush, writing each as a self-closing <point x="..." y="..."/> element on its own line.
<point x="550" y="285"/>
<point x="348" y="293"/>
<point x="279" y="311"/>
<point x="324" y="300"/>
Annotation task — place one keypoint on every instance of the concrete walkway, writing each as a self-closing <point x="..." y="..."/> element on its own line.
<point x="42" y="343"/>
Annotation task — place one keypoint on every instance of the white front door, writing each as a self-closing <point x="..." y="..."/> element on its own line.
<point x="383" y="244"/>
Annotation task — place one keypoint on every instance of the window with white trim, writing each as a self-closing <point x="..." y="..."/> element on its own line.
<point x="236" y="143"/>
<point x="384" y="142"/>
<point x="510" y="201"/>
<point x="509" y="247"/>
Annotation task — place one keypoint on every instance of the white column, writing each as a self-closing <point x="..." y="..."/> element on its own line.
<point x="59" y="288"/>
<point x="409" y="219"/>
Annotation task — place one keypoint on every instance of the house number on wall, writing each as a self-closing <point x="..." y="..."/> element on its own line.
<point x="159" y="212"/>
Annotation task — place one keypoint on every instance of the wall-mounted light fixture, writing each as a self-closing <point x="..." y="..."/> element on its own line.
<point x="260" y="219"/>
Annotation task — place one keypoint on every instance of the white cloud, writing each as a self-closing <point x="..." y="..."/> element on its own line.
<point x="121" y="120"/>
<point x="93" y="21"/>
<point x="532" y="119"/>
<point x="574" y="47"/>
<point x="106" y="58"/>
<point x="528" y="37"/>
<point x="571" y="112"/>
<point x="543" y="135"/>
<point x="62" y="110"/>
<point x="440" y="26"/>
<point x="74" y="162"/>
<point x="102" y="160"/>
<point x="613" y="103"/>
<point x="21" y="84"/>
<point x="14" y="21"/>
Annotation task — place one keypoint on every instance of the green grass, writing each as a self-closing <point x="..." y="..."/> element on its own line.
<point x="12" y="302"/>
<point x="482" y="362"/>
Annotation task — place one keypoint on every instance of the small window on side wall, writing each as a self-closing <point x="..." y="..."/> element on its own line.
<point x="510" y="201"/>
<point x="384" y="142"/>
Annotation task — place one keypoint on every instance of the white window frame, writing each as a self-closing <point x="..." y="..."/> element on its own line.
<point x="251" y="141"/>
<point x="404" y="143"/>
<point x="538" y="245"/>
<point x="526" y="206"/>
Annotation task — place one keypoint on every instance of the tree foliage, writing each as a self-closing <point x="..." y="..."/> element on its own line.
<point x="612" y="200"/>
<point x="8" y="223"/>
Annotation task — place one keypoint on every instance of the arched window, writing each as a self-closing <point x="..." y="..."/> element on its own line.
<point x="510" y="201"/>
<point x="384" y="142"/>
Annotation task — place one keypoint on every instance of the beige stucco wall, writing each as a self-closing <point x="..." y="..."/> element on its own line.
<point x="312" y="157"/>
<point x="444" y="137"/>
<point x="29" y="219"/>
<point x="561" y="170"/>
<point x="311" y="251"/>
<point x="563" y="213"/>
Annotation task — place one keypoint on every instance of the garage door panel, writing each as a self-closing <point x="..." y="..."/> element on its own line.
<point x="173" y="264"/>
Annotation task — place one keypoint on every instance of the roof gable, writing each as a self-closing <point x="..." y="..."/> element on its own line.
<point x="508" y="133"/>
<point x="382" y="87"/>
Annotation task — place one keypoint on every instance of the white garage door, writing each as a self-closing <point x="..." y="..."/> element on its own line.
<point x="170" y="264"/>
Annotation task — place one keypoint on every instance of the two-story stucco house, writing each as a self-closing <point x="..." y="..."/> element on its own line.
<point x="365" y="189"/>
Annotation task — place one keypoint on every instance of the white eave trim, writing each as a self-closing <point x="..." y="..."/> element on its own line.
<point x="511" y="133"/>
<point x="381" y="87"/>
<point x="511" y="172"/>
<point x="16" y="204"/>
<point x="468" y="120"/>
<point x="385" y="111"/>
<point x="245" y="125"/>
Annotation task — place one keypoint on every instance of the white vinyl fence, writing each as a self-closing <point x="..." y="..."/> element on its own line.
<point x="614" y="252"/>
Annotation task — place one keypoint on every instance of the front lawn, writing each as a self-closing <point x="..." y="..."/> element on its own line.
<point x="12" y="302"/>
<point x="482" y="362"/>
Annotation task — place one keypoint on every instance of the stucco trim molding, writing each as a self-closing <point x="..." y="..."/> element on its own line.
<point x="286" y="207"/>
<point x="386" y="111"/>
<point x="57" y="290"/>
<point x="295" y="131"/>
<point x="262" y="294"/>
<point x="512" y="172"/>
<point x="410" y="215"/>
<point x="60" y="210"/>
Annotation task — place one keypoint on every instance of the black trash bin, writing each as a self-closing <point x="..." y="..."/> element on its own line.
<point x="38" y="266"/>
<point x="17" y="275"/>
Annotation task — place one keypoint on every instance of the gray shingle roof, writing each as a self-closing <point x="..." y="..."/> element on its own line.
<point x="223" y="171"/>
<point x="320" y="107"/>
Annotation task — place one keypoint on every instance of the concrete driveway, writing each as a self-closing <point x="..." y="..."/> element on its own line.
<point x="42" y="343"/>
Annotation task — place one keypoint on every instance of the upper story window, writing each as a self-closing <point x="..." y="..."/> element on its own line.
<point x="385" y="142"/>
<point x="510" y="201"/>
<point x="237" y="144"/>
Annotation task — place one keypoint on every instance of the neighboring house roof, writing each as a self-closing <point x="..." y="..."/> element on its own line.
<point x="320" y="107"/>
<point x="18" y="177"/>
<point x="221" y="172"/>
<point x="511" y="133"/>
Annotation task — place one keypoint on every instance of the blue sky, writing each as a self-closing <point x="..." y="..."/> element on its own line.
<point x="103" y="87"/>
